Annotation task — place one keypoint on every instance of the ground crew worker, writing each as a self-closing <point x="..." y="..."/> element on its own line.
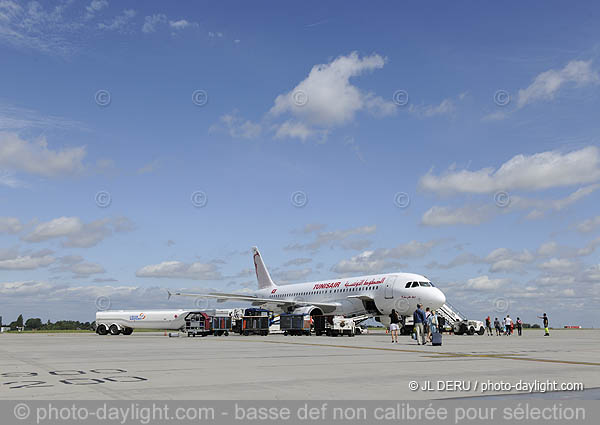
<point x="546" y="329"/>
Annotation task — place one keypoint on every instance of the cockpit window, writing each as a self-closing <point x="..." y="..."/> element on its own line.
<point x="408" y="285"/>
<point x="415" y="284"/>
<point x="425" y="283"/>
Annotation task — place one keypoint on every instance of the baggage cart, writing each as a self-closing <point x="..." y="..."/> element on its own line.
<point x="221" y="325"/>
<point x="295" y="324"/>
<point x="255" y="321"/>
<point x="198" y="324"/>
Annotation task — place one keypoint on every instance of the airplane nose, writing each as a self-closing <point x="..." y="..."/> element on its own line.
<point x="440" y="297"/>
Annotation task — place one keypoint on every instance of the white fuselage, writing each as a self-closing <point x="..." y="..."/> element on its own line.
<point x="352" y="295"/>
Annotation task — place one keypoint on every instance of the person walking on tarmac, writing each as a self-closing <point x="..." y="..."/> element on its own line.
<point x="488" y="325"/>
<point x="419" y="319"/>
<point x="519" y="326"/>
<point x="394" y="326"/>
<point x="497" y="326"/>
<point x="546" y="329"/>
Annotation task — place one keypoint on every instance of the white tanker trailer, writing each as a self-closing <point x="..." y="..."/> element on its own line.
<point x="122" y="321"/>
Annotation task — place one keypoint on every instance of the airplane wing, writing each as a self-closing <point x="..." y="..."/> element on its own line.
<point x="254" y="300"/>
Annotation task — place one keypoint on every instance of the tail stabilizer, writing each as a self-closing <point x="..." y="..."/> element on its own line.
<point x="262" y="274"/>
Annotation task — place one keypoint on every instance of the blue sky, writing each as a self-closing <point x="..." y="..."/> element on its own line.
<point x="306" y="129"/>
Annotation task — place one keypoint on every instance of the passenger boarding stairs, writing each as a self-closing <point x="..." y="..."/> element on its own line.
<point x="451" y="314"/>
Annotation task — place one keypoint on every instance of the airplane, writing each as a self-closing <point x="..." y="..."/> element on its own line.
<point x="373" y="295"/>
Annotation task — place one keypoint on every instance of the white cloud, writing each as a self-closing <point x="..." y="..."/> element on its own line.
<point x="506" y="260"/>
<point x="289" y="276"/>
<point x="36" y="158"/>
<point x="15" y="261"/>
<point x="237" y="126"/>
<point x="534" y="172"/>
<point x="7" y="179"/>
<point x="31" y="26"/>
<point x="375" y="261"/>
<point x="448" y="216"/>
<point x="460" y="260"/>
<point x="10" y="225"/>
<point x="76" y="233"/>
<point x="446" y="107"/>
<point x="150" y="22"/>
<point x="484" y="283"/>
<point x="412" y="249"/>
<point x="78" y="266"/>
<point x="475" y="214"/>
<point x="364" y="262"/>
<point x="562" y="265"/>
<point x="540" y="206"/>
<point x="119" y="22"/>
<point x="332" y="238"/>
<point x="94" y="7"/>
<point x="180" y="24"/>
<point x="149" y="167"/>
<point x="86" y="269"/>
<point x="17" y="118"/>
<point x="589" y="225"/>
<point x="296" y="262"/>
<point x="547" y="249"/>
<point x="546" y="85"/>
<point x="181" y="270"/>
<point x="295" y="130"/>
<point x="326" y="98"/>
<point x="23" y="288"/>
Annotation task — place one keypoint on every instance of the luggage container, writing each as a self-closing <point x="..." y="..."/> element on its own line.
<point x="255" y="321"/>
<point x="295" y="324"/>
<point x="221" y="325"/>
<point x="198" y="324"/>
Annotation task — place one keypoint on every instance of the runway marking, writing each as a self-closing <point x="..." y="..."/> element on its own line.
<point x="448" y="354"/>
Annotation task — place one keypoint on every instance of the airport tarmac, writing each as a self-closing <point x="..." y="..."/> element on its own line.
<point x="153" y="366"/>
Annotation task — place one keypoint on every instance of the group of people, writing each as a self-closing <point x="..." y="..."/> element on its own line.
<point x="508" y="325"/>
<point x="426" y="324"/>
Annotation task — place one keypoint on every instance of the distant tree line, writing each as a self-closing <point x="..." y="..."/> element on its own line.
<point x="34" y="324"/>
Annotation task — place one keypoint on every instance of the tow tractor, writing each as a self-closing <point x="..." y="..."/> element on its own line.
<point x="469" y="327"/>
<point x="337" y="325"/>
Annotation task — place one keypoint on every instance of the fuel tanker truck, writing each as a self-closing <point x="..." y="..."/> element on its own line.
<point x="115" y="322"/>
